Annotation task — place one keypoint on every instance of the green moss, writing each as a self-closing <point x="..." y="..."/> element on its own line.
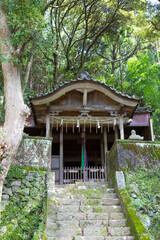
<point x="16" y="171"/>
<point x="98" y="209"/>
<point x="37" y="138"/>
<point x="35" y="169"/>
<point x="134" y="222"/>
<point x="150" y="149"/>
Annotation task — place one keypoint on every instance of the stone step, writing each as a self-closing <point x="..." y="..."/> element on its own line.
<point x="94" y="231"/>
<point x="93" y="185"/>
<point x="100" y="209"/>
<point x="93" y="238"/>
<point x="102" y="238"/>
<point x="93" y="223"/>
<point x="117" y="222"/>
<point x="104" y="202"/>
<point x="115" y="215"/>
<point x="86" y="211"/>
<point x="83" y="189"/>
<point x="119" y="231"/>
<point x="67" y="216"/>
<point x="101" y="196"/>
<point x="66" y="201"/>
<point x="85" y="208"/>
<point x="86" y="195"/>
<point x="64" y="229"/>
<point x="83" y="224"/>
<point x="100" y="202"/>
<point x="97" y="216"/>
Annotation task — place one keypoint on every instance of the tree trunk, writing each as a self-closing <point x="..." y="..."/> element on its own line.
<point x="121" y="70"/>
<point x="113" y="64"/>
<point x="15" y="109"/>
<point x="55" y="70"/>
<point x="28" y="69"/>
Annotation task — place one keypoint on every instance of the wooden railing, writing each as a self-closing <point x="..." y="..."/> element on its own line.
<point x="77" y="174"/>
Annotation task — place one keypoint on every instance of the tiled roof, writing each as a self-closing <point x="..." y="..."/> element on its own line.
<point x="143" y="110"/>
<point x="86" y="76"/>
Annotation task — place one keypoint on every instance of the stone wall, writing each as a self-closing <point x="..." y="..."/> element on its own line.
<point x="127" y="154"/>
<point x="23" y="199"/>
<point x="35" y="151"/>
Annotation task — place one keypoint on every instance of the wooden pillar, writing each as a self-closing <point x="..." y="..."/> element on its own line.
<point x="47" y="126"/>
<point x="121" y="126"/>
<point x="105" y="146"/>
<point x="102" y="152"/>
<point x="151" y="129"/>
<point x="85" y="97"/>
<point x="61" y="157"/>
<point x="116" y="133"/>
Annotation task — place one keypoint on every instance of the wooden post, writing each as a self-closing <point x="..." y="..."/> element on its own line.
<point x="151" y="129"/>
<point x="61" y="157"/>
<point x="106" y="163"/>
<point x="47" y="126"/>
<point x="85" y="97"/>
<point x="116" y="133"/>
<point x="121" y="126"/>
<point x="102" y="152"/>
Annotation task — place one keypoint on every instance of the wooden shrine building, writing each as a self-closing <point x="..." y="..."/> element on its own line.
<point x="91" y="107"/>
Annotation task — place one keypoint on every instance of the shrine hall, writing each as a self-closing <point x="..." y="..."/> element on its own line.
<point x="85" y="117"/>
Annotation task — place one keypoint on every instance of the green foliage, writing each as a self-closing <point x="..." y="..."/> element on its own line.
<point x="143" y="80"/>
<point x="148" y="198"/>
<point x="24" y="18"/>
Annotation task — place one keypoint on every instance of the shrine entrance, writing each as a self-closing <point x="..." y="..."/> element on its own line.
<point x="73" y="154"/>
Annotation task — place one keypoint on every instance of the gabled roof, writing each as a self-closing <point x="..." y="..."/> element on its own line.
<point x="85" y="81"/>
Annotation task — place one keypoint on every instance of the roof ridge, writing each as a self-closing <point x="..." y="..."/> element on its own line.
<point x="86" y="79"/>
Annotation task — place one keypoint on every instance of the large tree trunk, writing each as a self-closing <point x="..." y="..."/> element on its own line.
<point x="15" y="109"/>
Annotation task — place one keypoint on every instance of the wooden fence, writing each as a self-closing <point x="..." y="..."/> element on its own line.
<point x="77" y="174"/>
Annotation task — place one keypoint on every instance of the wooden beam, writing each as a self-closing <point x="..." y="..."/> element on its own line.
<point x="47" y="127"/>
<point x="61" y="156"/>
<point x="121" y="126"/>
<point x="87" y="107"/>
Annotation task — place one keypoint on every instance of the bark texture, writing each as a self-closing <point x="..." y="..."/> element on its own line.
<point x="15" y="109"/>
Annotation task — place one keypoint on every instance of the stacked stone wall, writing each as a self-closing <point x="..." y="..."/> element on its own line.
<point x="23" y="201"/>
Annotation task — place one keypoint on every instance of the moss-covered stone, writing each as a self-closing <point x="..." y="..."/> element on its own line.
<point x="148" y="183"/>
<point x="35" y="152"/>
<point x="134" y="222"/>
<point x="24" y="215"/>
<point x="126" y="154"/>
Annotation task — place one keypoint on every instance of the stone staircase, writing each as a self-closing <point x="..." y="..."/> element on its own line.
<point x="86" y="211"/>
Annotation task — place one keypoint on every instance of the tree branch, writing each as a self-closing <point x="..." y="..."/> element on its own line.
<point x="155" y="25"/>
<point x="120" y="59"/>
<point x="50" y="59"/>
